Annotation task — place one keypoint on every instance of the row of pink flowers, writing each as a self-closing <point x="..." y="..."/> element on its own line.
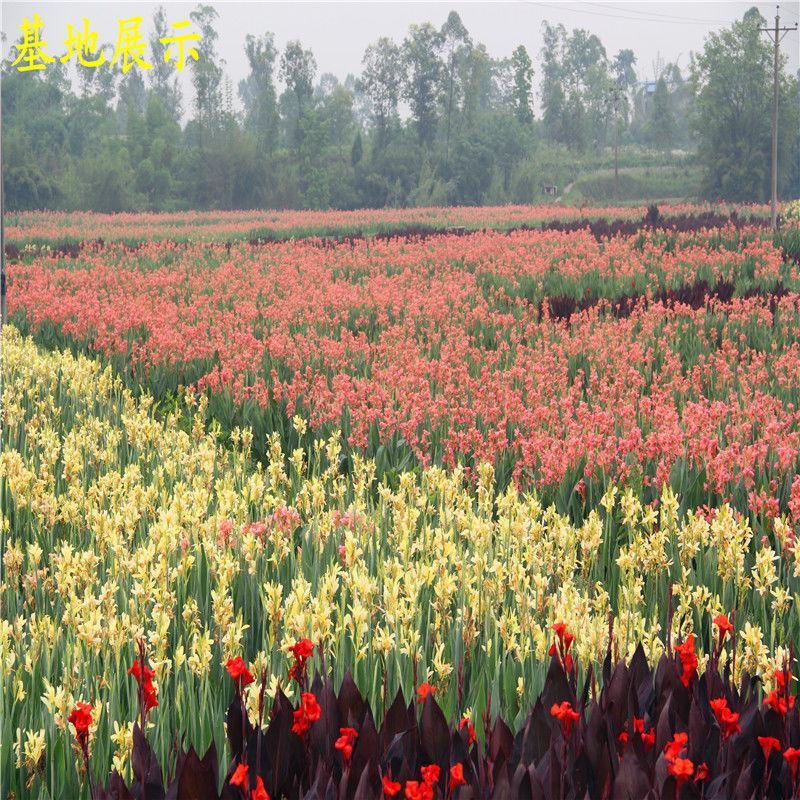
<point x="406" y="337"/>
<point x="88" y="225"/>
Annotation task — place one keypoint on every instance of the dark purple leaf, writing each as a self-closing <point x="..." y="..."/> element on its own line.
<point x="148" y="782"/>
<point x="434" y="735"/>
<point x="350" y="702"/>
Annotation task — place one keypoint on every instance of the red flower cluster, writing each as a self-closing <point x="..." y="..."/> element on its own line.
<point x="648" y="738"/>
<point x="81" y="720"/>
<point x="423" y="690"/>
<point x="239" y="777"/>
<point x="779" y="698"/>
<point x="456" y="777"/>
<point x="145" y="682"/>
<point x="723" y="625"/>
<point x="792" y="756"/>
<point x="345" y="742"/>
<point x="566" y="715"/>
<point x="682" y="768"/>
<point x="688" y="659"/>
<point x="423" y="790"/>
<point x="728" y="720"/>
<point x="561" y="646"/>
<point x="308" y="712"/>
<point x="430" y="774"/>
<point x="768" y="744"/>
<point x="301" y="651"/>
<point x="675" y="747"/>
<point x="238" y="671"/>
<point x="416" y="790"/>
<point x="467" y="723"/>
<point x="391" y="788"/>
<point x="260" y="792"/>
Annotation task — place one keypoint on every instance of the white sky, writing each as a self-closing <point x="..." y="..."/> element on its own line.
<point x="338" y="32"/>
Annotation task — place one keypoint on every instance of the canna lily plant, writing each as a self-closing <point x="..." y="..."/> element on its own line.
<point x="653" y="733"/>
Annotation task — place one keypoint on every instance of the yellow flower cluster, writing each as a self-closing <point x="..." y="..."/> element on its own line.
<point x="124" y="523"/>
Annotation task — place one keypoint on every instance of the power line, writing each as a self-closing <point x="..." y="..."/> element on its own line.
<point x="620" y="16"/>
<point x="651" y="14"/>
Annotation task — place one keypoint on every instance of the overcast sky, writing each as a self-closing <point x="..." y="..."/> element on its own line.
<point x="338" y="32"/>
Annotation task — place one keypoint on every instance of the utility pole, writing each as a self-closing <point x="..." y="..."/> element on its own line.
<point x="776" y="35"/>
<point x="616" y="95"/>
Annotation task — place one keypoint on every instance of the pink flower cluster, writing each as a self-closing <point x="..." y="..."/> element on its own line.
<point x="209" y="225"/>
<point x="437" y="342"/>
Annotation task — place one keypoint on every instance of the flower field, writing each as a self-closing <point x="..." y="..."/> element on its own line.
<point x="37" y="228"/>
<point x="496" y="513"/>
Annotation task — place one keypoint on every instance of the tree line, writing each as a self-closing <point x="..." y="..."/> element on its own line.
<point x="431" y="120"/>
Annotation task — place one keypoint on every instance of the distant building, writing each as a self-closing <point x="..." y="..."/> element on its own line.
<point x="550" y="189"/>
<point x="650" y="87"/>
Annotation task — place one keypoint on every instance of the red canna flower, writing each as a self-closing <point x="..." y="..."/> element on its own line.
<point x="792" y="756"/>
<point x="456" y="776"/>
<point x="673" y="749"/>
<point x="682" y="769"/>
<point x="308" y="712"/>
<point x="430" y="774"/>
<point x="701" y="773"/>
<point x="260" y="792"/>
<point x="723" y="625"/>
<point x="81" y="720"/>
<point x="302" y="650"/>
<point x="345" y="742"/>
<point x="768" y="744"/>
<point x="146" y="683"/>
<point x="566" y="715"/>
<point x="561" y="646"/>
<point x="467" y="723"/>
<point x="649" y="737"/>
<point x="418" y="791"/>
<point x="239" y="777"/>
<point x="777" y="703"/>
<point x="423" y="690"/>
<point x="390" y="788"/>
<point x="136" y="670"/>
<point x="238" y="671"/>
<point x="688" y="659"/>
<point x="728" y="720"/>
<point x="779" y="698"/>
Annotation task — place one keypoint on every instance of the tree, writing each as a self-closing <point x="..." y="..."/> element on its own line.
<point x="298" y="68"/>
<point x="523" y="80"/>
<point x="553" y="94"/>
<point x="480" y="91"/>
<point x="163" y="81"/>
<point x="131" y="96"/>
<point x="623" y="71"/>
<point x="357" y="151"/>
<point x="733" y="88"/>
<point x="206" y="72"/>
<point x="624" y="77"/>
<point x="662" y="131"/>
<point x="423" y="68"/>
<point x="380" y="80"/>
<point x="455" y="44"/>
<point x="588" y="79"/>
<point x="257" y="91"/>
<point x="336" y="112"/>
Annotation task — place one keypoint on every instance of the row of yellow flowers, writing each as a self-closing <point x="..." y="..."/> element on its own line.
<point x="122" y="522"/>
